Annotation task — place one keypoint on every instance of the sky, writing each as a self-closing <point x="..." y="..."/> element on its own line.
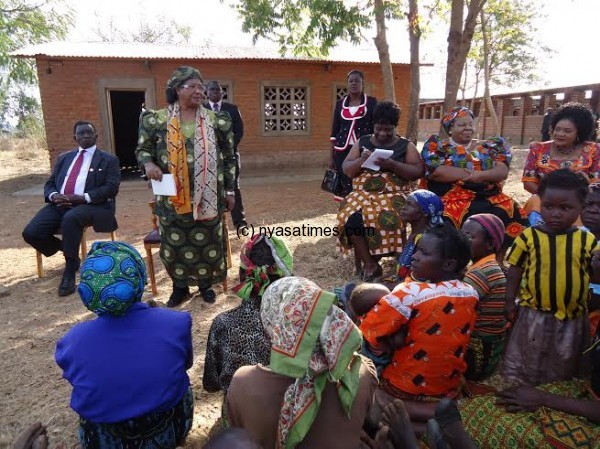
<point x="567" y="26"/>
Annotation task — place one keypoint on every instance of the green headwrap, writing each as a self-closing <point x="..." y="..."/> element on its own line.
<point x="112" y="278"/>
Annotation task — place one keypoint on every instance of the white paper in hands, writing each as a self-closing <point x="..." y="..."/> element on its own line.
<point x="165" y="187"/>
<point x="378" y="153"/>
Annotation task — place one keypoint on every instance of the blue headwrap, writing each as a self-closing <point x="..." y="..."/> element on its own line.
<point x="431" y="204"/>
<point x="112" y="279"/>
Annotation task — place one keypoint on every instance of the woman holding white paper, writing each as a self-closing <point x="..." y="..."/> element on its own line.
<point x="195" y="145"/>
<point x="368" y="218"/>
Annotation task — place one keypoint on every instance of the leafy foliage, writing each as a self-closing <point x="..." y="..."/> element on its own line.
<point x="22" y="23"/>
<point x="513" y="44"/>
<point x="306" y="27"/>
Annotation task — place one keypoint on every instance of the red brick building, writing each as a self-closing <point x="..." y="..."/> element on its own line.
<point x="286" y="103"/>
<point x="520" y="113"/>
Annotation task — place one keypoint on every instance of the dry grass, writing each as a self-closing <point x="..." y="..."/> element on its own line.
<point x="33" y="317"/>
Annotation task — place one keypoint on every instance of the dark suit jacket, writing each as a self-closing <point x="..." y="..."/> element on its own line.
<point x="102" y="185"/>
<point x="236" y="118"/>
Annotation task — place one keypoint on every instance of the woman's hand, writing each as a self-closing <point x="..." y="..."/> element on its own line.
<point x="153" y="171"/>
<point x="521" y="399"/>
<point x="365" y="155"/>
<point x="230" y="202"/>
<point x="385" y="163"/>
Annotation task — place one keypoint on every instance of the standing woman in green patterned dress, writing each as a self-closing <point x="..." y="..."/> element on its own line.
<point x="195" y="145"/>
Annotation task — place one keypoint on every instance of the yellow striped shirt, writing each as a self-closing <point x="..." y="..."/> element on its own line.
<point x="556" y="270"/>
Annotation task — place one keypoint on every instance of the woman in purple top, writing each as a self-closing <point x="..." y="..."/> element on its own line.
<point x="128" y="366"/>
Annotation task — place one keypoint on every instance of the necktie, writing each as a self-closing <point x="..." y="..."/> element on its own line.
<point x="216" y="107"/>
<point x="70" y="184"/>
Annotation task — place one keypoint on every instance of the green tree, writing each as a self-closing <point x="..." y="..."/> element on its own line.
<point x="313" y="27"/>
<point x="22" y="23"/>
<point x="506" y="48"/>
<point x="460" y="36"/>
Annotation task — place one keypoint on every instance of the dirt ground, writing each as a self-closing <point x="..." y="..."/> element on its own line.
<point x="33" y="317"/>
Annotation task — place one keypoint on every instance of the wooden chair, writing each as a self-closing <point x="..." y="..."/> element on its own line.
<point x="152" y="240"/>
<point x="83" y="249"/>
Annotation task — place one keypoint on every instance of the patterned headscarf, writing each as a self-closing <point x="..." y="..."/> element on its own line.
<point x="198" y="196"/>
<point x="181" y="75"/>
<point x="257" y="277"/>
<point x="430" y="204"/>
<point x="313" y="341"/>
<point x="112" y="279"/>
<point x="453" y="114"/>
<point x="493" y="226"/>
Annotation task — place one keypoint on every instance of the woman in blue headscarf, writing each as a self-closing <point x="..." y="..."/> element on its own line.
<point x="128" y="366"/>
<point x="421" y="210"/>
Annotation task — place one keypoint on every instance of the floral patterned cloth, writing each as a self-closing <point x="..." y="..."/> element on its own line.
<point x="539" y="162"/>
<point x="463" y="199"/>
<point x="315" y="342"/>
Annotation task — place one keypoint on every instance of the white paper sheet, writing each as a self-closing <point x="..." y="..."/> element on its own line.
<point x="378" y="153"/>
<point x="165" y="187"/>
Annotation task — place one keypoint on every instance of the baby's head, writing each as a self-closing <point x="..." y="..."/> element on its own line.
<point x="364" y="297"/>
<point x="562" y="195"/>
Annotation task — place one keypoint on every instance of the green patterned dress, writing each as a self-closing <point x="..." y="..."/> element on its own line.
<point x="193" y="252"/>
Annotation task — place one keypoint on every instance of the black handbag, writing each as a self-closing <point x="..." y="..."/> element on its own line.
<point x="331" y="182"/>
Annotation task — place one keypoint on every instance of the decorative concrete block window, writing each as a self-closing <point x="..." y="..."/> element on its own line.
<point x="285" y="107"/>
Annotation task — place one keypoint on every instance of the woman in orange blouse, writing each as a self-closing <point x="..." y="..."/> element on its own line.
<point x="571" y="129"/>
<point x="438" y="316"/>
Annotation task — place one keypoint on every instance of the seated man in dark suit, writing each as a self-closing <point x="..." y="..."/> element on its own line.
<point x="81" y="192"/>
<point x="216" y="103"/>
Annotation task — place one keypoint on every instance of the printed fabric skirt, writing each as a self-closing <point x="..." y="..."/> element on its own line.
<point x="460" y="204"/>
<point x="543" y="349"/>
<point x="483" y="356"/>
<point x="372" y="210"/>
<point x="165" y="430"/>
<point x="193" y="252"/>
<point x="492" y="427"/>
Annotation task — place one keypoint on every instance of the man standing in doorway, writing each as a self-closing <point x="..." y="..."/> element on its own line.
<point x="216" y="103"/>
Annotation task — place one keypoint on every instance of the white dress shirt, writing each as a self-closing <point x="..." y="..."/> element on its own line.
<point x="83" y="174"/>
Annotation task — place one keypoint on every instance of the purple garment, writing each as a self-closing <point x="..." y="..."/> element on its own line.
<point x="125" y="367"/>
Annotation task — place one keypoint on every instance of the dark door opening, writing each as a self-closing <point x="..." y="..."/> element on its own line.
<point x="125" y="109"/>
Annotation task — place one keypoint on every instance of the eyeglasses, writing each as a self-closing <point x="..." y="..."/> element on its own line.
<point x="192" y="86"/>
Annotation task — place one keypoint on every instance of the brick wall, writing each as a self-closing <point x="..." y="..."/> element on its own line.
<point x="71" y="92"/>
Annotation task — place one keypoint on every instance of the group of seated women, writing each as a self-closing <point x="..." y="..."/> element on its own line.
<point x="302" y="368"/>
<point x="466" y="173"/>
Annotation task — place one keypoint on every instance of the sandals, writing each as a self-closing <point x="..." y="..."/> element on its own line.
<point x="208" y="295"/>
<point x="371" y="277"/>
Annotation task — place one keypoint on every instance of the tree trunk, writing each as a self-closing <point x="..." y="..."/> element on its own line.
<point x="384" y="53"/>
<point x="459" y="43"/>
<point x="486" y="76"/>
<point x="414" y="32"/>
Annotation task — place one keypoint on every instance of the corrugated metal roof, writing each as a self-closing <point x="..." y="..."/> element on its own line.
<point x="111" y="50"/>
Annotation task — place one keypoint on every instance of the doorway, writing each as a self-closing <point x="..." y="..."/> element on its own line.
<point x="125" y="109"/>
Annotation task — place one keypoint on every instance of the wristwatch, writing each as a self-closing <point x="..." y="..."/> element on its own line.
<point x="229" y="193"/>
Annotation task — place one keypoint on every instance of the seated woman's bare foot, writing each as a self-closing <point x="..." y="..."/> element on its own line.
<point x="28" y="439"/>
<point x="435" y="438"/>
<point x="397" y="419"/>
<point x="448" y="417"/>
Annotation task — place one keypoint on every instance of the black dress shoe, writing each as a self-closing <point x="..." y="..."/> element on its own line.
<point x="179" y="295"/>
<point x="67" y="284"/>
